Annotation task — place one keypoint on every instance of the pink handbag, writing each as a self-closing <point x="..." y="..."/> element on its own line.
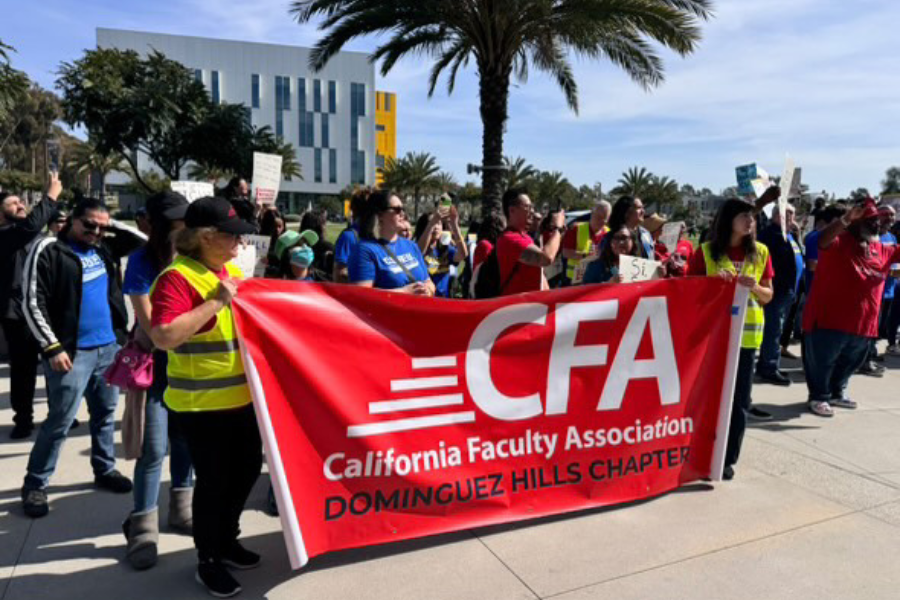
<point x="132" y="368"/>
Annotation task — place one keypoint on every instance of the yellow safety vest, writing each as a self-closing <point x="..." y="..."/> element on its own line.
<point x="583" y="243"/>
<point x="206" y="372"/>
<point x="756" y="318"/>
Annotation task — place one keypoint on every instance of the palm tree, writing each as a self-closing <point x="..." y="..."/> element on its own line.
<point x="635" y="181"/>
<point x="85" y="160"/>
<point x="394" y="174"/>
<point x="504" y="38"/>
<point x="550" y="187"/>
<point x="517" y="172"/>
<point x="290" y="167"/>
<point x="664" y="192"/>
<point x="420" y="169"/>
<point x="203" y="172"/>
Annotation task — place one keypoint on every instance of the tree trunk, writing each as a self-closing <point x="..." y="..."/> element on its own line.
<point x="415" y="204"/>
<point x="494" y="98"/>
<point x="102" y="185"/>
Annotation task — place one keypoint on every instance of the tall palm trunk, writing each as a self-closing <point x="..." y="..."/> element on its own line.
<point x="494" y="97"/>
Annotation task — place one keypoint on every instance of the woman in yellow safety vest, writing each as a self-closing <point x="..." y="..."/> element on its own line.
<point x="733" y="252"/>
<point x="208" y="394"/>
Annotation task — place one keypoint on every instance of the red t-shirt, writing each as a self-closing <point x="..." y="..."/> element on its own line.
<point x="685" y="249"/>
<point x="570" y="240"/>
<point x="697" y="263"/>
<point x="173" y="296"/>
<point x="482" y="250"/>
<point x="849" y="284"/>
<point x="527" y="278"/>
<point x="661" y="252"/>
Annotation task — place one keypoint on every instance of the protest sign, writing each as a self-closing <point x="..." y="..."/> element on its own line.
<point x="246" y="259"/>
<point x="192" y="190"/>
<point x="761" y="183"/>
<point x="745" y="176"/>
<point x="634" y="269"/>
<point x="266" y="177"/>
<point x="671" y="233"/>
<point x="786" y="183"/>
<point x="520" y="407"/>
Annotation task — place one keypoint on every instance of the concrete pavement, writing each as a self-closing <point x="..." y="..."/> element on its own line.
<point x="814" y="513"/>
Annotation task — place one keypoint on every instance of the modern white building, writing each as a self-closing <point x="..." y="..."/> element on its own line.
<point x="328" y="116"/>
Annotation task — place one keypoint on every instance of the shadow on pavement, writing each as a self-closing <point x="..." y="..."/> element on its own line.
<point x="781" y="414"/>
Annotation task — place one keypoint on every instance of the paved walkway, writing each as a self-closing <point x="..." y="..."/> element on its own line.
<point x="813" y="514"/>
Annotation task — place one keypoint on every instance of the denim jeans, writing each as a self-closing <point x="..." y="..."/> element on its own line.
<point x="64" y="393"/>
<point x="159" y="432"/>
<point x="830" y="358"/>
<point x="770" y="351"/>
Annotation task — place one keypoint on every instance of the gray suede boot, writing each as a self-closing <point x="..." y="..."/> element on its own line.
<point x="142" y="533"/>
<point x="181" y="517"/>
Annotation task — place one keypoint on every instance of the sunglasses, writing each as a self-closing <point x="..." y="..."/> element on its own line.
<point x="93" y="226"/>
<point x="397" y="210"/>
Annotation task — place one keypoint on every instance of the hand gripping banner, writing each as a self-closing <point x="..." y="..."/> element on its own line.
<point x="388" y="417"/>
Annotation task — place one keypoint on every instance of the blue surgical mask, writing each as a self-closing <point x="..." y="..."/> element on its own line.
<point x="302" y="256"/>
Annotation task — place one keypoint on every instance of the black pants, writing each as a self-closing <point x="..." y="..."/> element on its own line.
<point x="227" y="454"/>
<point x="23" y="363"/>
<point x="742" y="394"/>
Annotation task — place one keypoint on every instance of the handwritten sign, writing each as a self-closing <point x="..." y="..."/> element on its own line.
<point x="261" y="243"/>
<point x="787" y="182"/>
<point x="192" y="190"/>
<point x="671" y="233"/>
<point x="635" y="269"/>
<point x="266" y="177"/>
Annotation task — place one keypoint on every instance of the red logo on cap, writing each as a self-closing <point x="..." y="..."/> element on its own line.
<point x="231" y="212"/>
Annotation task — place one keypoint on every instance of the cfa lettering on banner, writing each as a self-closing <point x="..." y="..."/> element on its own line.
<point x="389" y="417"/>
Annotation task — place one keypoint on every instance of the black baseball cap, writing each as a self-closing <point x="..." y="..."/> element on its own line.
<point x="167" y="205"/>
<point x="218" y="213"/>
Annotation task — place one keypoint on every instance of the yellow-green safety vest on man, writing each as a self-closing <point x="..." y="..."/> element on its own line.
<point x="206" y="372"/>
<point x="755" y="320"/>
<point x="583" y="243"/>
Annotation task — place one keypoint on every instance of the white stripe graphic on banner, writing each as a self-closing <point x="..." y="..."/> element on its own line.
<point x="389" y="406"/>
<point x="435" y="362"/>
<point x="423" y="383"/>
<point x="410" y="424"/>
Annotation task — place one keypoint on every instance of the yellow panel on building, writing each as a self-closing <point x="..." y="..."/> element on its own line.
<point x="385" y="131"/>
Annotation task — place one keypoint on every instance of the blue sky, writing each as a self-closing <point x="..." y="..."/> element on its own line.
<point x="813" y="78"/>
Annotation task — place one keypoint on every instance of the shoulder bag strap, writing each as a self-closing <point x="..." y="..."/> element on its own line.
<point x="410" y="276"/>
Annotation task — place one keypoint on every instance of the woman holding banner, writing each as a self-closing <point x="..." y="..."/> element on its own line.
<point x="208" y="392"/>
<point x="383" y="259"/>
<point x="732" y="252"/>
<point x="606" y="268"/>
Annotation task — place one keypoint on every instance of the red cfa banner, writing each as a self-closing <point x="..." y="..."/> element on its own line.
<point x="388" y="417"/>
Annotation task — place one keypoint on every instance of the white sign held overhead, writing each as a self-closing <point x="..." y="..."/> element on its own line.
<point x="786" y="183"/>
<point x="635" y="269"/>
<point x="671" y="233"/>
<point x="266" y="177"/>
<point x="192" y="190"/>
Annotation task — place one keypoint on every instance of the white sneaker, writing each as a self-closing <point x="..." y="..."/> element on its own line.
<point x="893" y="350"/>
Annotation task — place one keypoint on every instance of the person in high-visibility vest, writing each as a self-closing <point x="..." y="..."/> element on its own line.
<point x="732" y="252"/>
<point x="582" y="240"/>
<point x="192" y="320"/>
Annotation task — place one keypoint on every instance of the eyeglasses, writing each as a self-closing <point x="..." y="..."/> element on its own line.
<point x="93" y="226"/>
<point x="526" y="207"/>
<point x="397" y="210"/>
<point x="622" y="238"/>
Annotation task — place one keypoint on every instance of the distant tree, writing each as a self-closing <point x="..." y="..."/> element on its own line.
<point x="859" y="194"/>
<point x="550" y="187"/>
<point x="415" y="172"/>
<point x="636" y="181"/>
<point x="891" y="183"/>
<point x="84" y="159"/>
<point x="504" y="39"/>
<point x="664" y="192"/>
<point x="517" y="173"/>
<point x="445" y="182"/>
<point x="24" y="133"/>
<point x="14" y="84"/>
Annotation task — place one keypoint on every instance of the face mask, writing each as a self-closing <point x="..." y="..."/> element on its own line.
<point x="302" y="256"/>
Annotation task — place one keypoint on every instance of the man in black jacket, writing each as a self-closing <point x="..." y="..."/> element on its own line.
<point x="18" y="229"/>
<point x="74" y="306"/>
<point x="787" y="260"/>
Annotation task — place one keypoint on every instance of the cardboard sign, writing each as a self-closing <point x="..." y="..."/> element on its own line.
<point x="671" y="233"/>
<point x="266" y="177"/>
<point x="745" y="176"/>
<point x="787" y="182"/>
<point x="761" y="183"/>
<point x="635" y="269"/>
<point x="192" y="190"/>
<point x="261" y="243"/>
<point x="246" y="260"/>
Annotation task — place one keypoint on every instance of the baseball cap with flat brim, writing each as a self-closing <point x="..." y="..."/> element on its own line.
<point x="289" y="239"/>
<point x="218" y="213"/>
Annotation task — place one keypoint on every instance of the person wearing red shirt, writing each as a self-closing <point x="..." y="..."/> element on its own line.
<point x="521" y="261"/>
<point x="841" y="313"/>
<point x="489" y="230"/>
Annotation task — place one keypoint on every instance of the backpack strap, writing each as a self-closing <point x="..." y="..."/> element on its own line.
<point x="511" y="274"/>
<point x="410" y="276"/>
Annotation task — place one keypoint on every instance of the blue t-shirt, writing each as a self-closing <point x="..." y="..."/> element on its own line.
<point x="346" y="242"/>
<point x="439" y="270"/>
<point x="812" y="253"/>
<point x="139" y="274"/>
<point x="888" y="239"/>
<point x="798" y="260"/>
<point x="371" y="262"/>
<point x="95" y="318"/>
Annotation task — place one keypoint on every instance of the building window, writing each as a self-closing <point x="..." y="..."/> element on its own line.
<point x="379" y="161"/>
<point x="332" y="97"/>
<point x="318" y="165"/>
<point x="306" y="130"/>
<point x="317" y="95"/>
<point x="254" y="91"/>
<point x="357" y="166"/>
<point x="215" y="87"/>
<point x="282" y="93"/>
<point x="387" y="102"/>
<point x="379" y="128"/>
<point x="301" y="94"/>
<point x="279" y="123"/>
<point x="325" y="136"/>
<point x="332" y="166"/>
<point x="198" y="75"/>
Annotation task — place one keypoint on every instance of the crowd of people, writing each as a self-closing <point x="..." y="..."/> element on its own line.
<point x="63" y="299"/>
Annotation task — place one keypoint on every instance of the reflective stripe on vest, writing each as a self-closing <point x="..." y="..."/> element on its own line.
<point x="755" y="320"/>
<point x="582" y="245"/>
<point x="206" y="372"/>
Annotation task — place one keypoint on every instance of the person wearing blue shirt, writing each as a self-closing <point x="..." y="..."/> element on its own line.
<point x="887" y="320"/>
<point x="787" y="261"/>
<point x="442" y="249"/>
<point x="350" y="237"/>
<point x="383" y="259"/>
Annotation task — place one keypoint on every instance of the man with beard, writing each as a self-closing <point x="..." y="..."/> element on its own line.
<point x="841" y="314"/>
<point x="18" y="229"/>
